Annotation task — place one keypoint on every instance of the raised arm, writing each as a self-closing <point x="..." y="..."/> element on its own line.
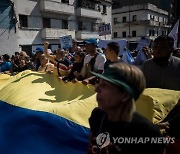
<point x="50" y="57"/>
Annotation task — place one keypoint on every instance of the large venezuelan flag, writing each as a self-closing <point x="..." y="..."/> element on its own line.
<point x="155" y="104"/>
<point x="40" y="114"/>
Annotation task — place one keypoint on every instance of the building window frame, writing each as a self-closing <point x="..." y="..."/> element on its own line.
<point x="115" y="34"/>
<point x="162" y="32"/>
<point x="134" y="18"/>
<point x="80" y="25"/>
<point x="115" y="21"/>
<point x="153" y="32"/>
<point x="124" y="19"/>
<point x="65" y="1"/>
<point x="134" y="33"/>
<point x="104" y="9"/>
<point x="150" y="32"/>
<point x="64" y="24"/>
<point x="46" y="22"/>
<point x="124" y="34"/>
<point x="23" y="20"/>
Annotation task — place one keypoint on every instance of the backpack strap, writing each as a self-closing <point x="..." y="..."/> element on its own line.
<point x="92" y="61"/>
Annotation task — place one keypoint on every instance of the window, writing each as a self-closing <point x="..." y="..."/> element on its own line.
<point x="134" y="17"/>
<point x="23" y="21"/>
<point x="93" y="27"/>
<point x="164" y="21"/>
<point x="91" y="5"/>
<point x="124" y="19"/>
<point x="98" y="8"/>
<point x="134" y="33"/>
<point x="65" y="1"/>
<point x="80" y="25"/>
<point x="162" y="32"/>
<point x="115" y="34"/>
<point x="115" y="21"/>
<point x="104" y="9"/>
<point x="64" y="24"/>
<point x="153" y="32"/>
<point x="46" y="23"/>
<point x="152" y="17"/>
<point x="157" y="18"/>
<point x="123" y="34"/>
<point x="149" y="32"/>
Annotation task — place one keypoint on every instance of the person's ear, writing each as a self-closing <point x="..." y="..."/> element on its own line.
<point x="125" y="97"/>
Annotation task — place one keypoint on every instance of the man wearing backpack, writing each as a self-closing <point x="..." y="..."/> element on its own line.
<point x="93" y="61"/>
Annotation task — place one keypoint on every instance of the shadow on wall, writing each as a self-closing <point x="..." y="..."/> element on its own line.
<point x="7" y="15"/>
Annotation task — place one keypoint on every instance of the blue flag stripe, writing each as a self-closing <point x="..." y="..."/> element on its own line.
<point x="27" y="131"/>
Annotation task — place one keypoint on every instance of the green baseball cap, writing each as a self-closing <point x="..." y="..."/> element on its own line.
<point x="114" y="76"/>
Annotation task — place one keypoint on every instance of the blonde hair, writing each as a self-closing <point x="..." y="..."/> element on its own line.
<point x="127" y="110"/>
<point x="136" y="79"/>
<point x="23" y="55"/>
<point x="132" y="74"/>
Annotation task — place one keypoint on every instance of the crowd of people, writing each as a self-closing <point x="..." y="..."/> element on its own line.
<point x="160" y="68"/>
<point x="120" y="82"/>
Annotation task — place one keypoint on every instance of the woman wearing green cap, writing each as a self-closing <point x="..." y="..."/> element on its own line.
<point x="115" y="125"/>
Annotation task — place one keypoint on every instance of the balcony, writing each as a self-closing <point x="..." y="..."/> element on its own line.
<point x="150" y="22"/>
<point x="82" y="35"/>
<point x="28" y="35"/>
<point x="85" y="12"/>
<point x="138" y="22"/>
<point x="53" y="33"/>
<point x="162" y="24"/>
<point x="56" y="7"/>
<point x="120" y="24"/>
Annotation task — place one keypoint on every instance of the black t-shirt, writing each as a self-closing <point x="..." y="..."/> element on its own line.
<point x="38" y="63"/>
<point x="125" y="137"/>
<point x="76" y="67"/>
<point x="20" y="69"/>
<point x="30" y="66"/>
<point x="65" y="61"/>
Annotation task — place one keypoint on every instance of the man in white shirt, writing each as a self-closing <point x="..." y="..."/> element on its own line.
<point x="93" y="61"/>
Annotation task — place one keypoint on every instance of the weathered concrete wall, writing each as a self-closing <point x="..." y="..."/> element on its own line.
<point x="8" y="39"/>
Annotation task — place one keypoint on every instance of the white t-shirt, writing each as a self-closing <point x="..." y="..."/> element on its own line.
<point x="99" y="63"/>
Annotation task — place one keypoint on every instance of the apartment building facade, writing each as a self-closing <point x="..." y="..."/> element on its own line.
<point x="47" y="20"/>
<point x="133" y="22"/>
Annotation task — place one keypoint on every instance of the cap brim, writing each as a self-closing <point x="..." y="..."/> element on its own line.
<point x="118" y="83"/>
<point x="39" y="51"/>
<point x="121" y="84"/>
<point x="100" y="76"/>
<point x="87" y="42"/>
